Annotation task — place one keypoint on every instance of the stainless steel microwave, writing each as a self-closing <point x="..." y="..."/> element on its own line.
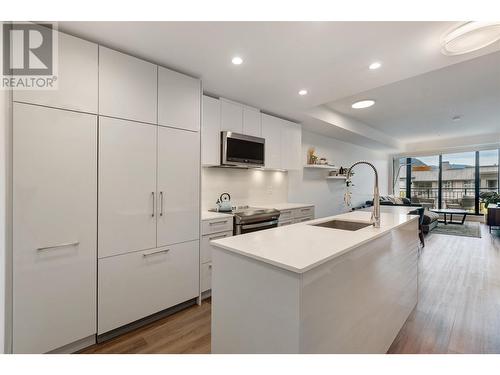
<point x="242" y="150"/>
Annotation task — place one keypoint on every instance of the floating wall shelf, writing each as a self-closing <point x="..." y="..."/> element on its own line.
<point x="319" y="166"/>
<point x="336" y="177"/>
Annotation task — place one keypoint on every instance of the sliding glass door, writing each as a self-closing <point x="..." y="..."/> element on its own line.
<point x="457" y="180"/>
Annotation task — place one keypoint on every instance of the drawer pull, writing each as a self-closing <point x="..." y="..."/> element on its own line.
<point x="305" y="209"/>
<point x="155" y="252"/>
<point x="217" y="237"/>
<point x="218" y="222"/>
<point x="66" y="244"/>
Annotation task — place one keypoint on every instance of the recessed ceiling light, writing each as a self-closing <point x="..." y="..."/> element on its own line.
<point x="375" y="65"/>
<point x="470" y="37"/>
<point x="303" y="92"/>
<point x="363" y="104"/>
<point x="456" y="118"/>
<point x="237" y="60"/>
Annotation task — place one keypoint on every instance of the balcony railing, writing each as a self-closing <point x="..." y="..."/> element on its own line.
<point x="461" y="198"/>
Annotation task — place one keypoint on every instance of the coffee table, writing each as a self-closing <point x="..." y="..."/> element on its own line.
<point x="451" y="212"/>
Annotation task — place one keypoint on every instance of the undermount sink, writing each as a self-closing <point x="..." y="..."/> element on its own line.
<point x="343" y="225"/>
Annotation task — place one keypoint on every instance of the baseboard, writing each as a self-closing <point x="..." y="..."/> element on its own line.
<point x="75" y="346"/>
<point x="144" y="321"/>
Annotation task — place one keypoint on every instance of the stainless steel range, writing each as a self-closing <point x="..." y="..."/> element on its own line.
<point x="251" y="219"/>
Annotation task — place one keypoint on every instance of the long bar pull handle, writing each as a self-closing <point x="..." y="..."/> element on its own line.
<point x="153" y="195"/>
<point x="217" y="237"/>
<point x="161" y="203"/>
<point x="155" y="252"/>
<point x="218" y="222"/>
<point x="66" y="244"/>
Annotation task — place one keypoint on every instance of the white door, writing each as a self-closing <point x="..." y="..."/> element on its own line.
<point x="291" y="146"/>
<point x="178" y="100"/>
<point x="210" y="132"/>
<point x="178" y="186"/>
<point x="271" y="132"/>
<point x="128" y="87"/>
<point x="76" y="78"/>
<point x="252" y="122"/>
<point x="127" y="186"/>
<point x="231" y="116"/>
<point x="54" y="227"/>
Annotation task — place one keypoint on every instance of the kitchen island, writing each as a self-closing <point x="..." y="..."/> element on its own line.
<point x="304" y="288"/>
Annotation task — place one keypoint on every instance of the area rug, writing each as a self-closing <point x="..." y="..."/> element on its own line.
<point x="468" y="229"/>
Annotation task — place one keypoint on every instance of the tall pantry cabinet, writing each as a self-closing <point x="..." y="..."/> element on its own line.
<point x="106" y="185"/>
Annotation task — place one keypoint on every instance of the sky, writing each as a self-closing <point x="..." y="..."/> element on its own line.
<point x="488" y="157"/>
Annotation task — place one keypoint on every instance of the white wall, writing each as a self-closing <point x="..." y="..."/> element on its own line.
<point x="246" y="186"/>
<point x="4" y="170"/>
<point x="311" y="186"/>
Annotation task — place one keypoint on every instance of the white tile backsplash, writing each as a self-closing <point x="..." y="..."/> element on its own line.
<point x="246" y="186"/>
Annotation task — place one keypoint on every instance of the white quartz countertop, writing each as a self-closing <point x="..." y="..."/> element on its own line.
<point x="301" y="247"/>
<point x="284" y="206"/>
<point x="209" y="215"/>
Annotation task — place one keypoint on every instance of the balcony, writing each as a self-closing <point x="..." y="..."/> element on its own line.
<point x="458" y="198"/>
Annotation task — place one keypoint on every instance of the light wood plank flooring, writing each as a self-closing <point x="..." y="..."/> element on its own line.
<point x="458" y="309"/>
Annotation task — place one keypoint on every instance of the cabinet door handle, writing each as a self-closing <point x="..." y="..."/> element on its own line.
<point x="66" y="244"/>
<point x="218" y="222"/>
<point x="154" y="208"/>
<point x="161" y="203"/>
<point x="217" y="237"/>
<point x="144" y="255"/>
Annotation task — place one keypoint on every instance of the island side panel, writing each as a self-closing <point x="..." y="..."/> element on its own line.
<point x="255" y="306"/>
<point x="358" y="302"/>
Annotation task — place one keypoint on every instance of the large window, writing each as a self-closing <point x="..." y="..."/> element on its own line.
<point x="425" y="181"/>
<point x="459" y="180"/>
<point x="488" y="175"/>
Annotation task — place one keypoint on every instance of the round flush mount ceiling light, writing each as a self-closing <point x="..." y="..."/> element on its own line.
<point x="363" y="104"/>
<point x="237" y="60"/>
<point x="375" y="65"/>
<point x="470" y="37"/>
<point x="302" y="92"/>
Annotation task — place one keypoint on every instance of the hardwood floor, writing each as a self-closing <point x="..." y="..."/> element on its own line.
<point x="458" y="309"/>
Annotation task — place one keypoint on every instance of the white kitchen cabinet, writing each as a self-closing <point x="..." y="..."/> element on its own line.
<point x="252" y="124"/>
<point x="217" y="225"/>
<point x="271" y="132"/>
<point x="54" y="227"/>
<point x="178" y="186"/>
<point x="291" y="146"/>
<point x="231" y="116"/>
<point x="210" y="131"/>
<point x="178" y="100"/>
<point x="127" y="186"/>
<point x="206" y="247"/>
<point x="206" y="277"/>
<point x="135" y="285"/>
<point x="128" y="87"/>
<point x="76" y="78"/>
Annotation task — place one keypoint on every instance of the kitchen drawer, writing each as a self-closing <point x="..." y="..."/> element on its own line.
<point x="217" y="225"/>
<point x="302" y="219"/>
<point x="206" y="248"/>
<point x="286" y="215"/>
<point x="135" y="285"/>
<point x="206" y="276"/>
<point x="302" y="212"/>
<point x="284" y="222"/>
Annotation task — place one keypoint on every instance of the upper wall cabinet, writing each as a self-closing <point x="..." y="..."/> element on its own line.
<point x="291" y="145"/>
<point x="271" y="132"/>
<point x="127" y="87"/>
<point x="210" y="131"/>
<point x="76" y="78"/>
<point x="178" y="100"/>
<point x="231" y="116"/>
<point x="252" y="122"/>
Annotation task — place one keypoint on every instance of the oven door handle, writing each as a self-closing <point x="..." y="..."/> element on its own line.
<point x="259" y="225"/>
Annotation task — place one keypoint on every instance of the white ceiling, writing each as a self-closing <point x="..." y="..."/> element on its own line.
<point x="421" y="108"/>
<point x="329" y="59"/>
